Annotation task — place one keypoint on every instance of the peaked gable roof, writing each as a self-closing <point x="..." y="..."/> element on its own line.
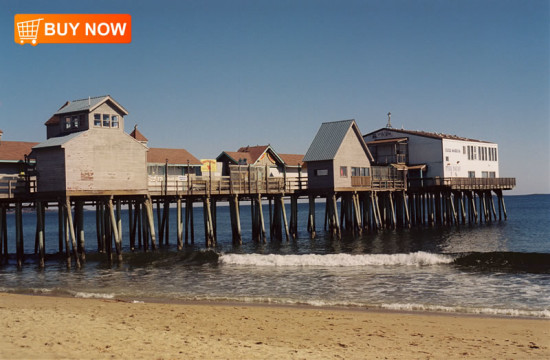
<point x="293" y="159"/>
<point x="137" y="135"/>
<point x="14" y="151"/>
<point x="89" y="104"/>
<point x="173" y="156"/>
<point x="252" y="154"/>
<point x="427" y="134"/>
<point x="329" y="138"/>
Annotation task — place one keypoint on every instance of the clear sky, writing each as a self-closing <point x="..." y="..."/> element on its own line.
<point x="210" y="76"/>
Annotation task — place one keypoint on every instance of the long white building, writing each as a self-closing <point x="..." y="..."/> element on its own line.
<point x="431" y="155"/>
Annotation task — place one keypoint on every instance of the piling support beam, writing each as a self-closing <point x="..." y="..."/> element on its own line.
<point x="283" y="211"/>
<point x="3" y="250"/>
<point x="114" y="226"/>
<point x="40" y="227"/>
<point x="311" y="217"/>
<point x="19" y="234"/>
<point x="79" y="209"/>
<point x="180" y="225"/>
<point x="261" y="219"/>
<point x="72" y="232"/>
<point x="149" y="207"/>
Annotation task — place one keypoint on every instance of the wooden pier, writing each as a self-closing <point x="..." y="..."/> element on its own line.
<point x="361" y="192"/>
<point x="385" y="204"/>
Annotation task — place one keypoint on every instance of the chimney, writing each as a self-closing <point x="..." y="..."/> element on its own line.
<point x="1" y="132"/>
<point x="89" y="101"/>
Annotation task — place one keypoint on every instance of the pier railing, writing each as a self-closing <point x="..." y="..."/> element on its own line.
<point x="225" y="185"/>
<point x="378" y="182"/>
<point x="10" y="186"/>
<point x="461" y="183"/>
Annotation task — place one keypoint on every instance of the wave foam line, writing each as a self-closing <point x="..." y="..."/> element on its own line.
<point x="336" y="260"/>
<point x="480" y="311"/>
<point x="86" y="295"/>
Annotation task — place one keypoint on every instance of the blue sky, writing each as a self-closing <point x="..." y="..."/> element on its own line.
<point x="217" y="75"/>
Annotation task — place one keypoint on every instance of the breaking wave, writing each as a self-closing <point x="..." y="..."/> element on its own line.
<point x="337" y="260"/>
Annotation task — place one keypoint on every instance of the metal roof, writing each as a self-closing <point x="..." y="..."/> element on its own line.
<point x="57" y="141"/>
<point x="326" y="143"/>
<point x="87" y="104"/>
<point x="427" y="134"/>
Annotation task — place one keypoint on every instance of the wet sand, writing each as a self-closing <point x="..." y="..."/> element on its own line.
<point x="40" y="327"/>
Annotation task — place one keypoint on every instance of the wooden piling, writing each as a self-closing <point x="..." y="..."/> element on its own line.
<point x="19" y="234"/>
<point x="119" y="219"/>
<point x="72" y="232"/>
<point x="149" y="208"/>
<point x="261" y="219"/>
<point x="40" y="227"/>
<point x="3" y="250"/>
<point x="131" y="227"/>
<point x="311" y="217"/>
<point x="235" y="220"/>
<point x="114" y="226"/>
<point x="79" y="213"/>
<point x="284" y="218"/>
<point x="179" y="223"/>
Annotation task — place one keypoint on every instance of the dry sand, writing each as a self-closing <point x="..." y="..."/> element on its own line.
<point x="38" y="327"/>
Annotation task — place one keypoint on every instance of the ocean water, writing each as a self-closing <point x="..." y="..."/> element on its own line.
<point x="498" y="268"/>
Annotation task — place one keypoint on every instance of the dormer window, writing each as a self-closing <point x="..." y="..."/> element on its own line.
<point x="67" y="123"/>
<point x="75" y="122"/>
<point x="114" y="121"/>
<point x="106" y="120"/>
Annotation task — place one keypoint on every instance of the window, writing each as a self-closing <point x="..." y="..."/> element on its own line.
<point x="321" y="172"/>
<point x="114" y="121"/>
<point x="68" y="122"/>
<point x="471" y="174"/>
<point x="464" y="149"/>
<point x="492" y="174"/>
<point x="484" y="174"/>
<point x="365" y="171"/>
<point x="75" y="122"/>
<point x="106" y="120"/>
<point x="446" y="158"/>
<point x="343" y="171"/>
<point x="97" y="120"/>
<point x="355" y="171"/>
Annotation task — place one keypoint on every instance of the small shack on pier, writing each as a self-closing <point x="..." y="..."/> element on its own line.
<point x="167" y="167"/>
<point x="14" y="156"/>
<point x="338" y="159"/>
<point x="88" y="152"/>
<point x="15" y="166"/>
<point x="258" y="156"/>
<point x="279" y="165"/>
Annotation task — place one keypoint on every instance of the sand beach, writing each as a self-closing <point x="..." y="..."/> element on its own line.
<point x="41" y="327"/>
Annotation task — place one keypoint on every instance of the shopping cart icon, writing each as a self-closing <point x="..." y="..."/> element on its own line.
<point x="28" y="30"/>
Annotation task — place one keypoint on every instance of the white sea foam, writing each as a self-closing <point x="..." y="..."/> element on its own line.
<point x="87" y="295"/>
<point x="336" y="260"/>
<point x="459" y="309"/>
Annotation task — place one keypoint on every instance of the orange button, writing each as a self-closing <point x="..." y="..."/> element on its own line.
<point x="72" y="28"/>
